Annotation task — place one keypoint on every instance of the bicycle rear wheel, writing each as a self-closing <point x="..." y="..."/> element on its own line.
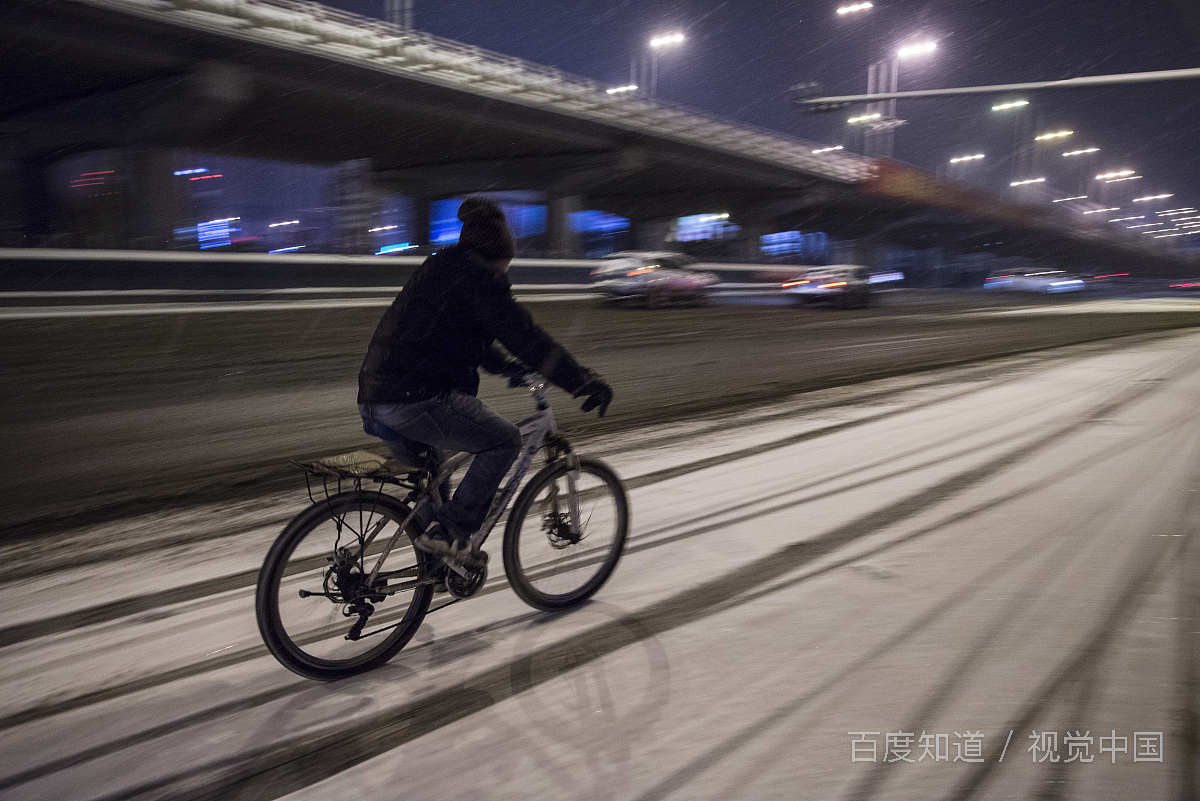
<point x="313" y="588"/>
<point x="549" y="566"/>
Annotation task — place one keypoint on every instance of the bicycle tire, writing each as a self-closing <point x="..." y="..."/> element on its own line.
<point x="536" y="558"/>
<point x="308" y="634"/>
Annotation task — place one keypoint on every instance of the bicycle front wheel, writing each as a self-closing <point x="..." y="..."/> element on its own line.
<point x="551" y="563"/>
<point x="318" y="609"/>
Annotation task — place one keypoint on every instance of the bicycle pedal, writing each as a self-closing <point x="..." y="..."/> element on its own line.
<point x="455" y="566"/>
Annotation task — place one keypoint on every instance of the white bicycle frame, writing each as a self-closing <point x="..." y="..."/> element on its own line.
<point x="535" y="429"/>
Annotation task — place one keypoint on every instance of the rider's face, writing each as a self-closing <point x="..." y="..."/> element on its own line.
<point x="503" y="265"/>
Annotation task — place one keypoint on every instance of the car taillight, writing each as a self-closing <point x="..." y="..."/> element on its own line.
<point x="795" y="283"/>
<point x="830" y="286"/>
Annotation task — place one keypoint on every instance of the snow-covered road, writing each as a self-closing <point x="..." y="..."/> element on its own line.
<point x="892" y="590"/>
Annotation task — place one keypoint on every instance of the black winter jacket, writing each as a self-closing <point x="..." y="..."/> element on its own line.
<point x="442" y="328"/>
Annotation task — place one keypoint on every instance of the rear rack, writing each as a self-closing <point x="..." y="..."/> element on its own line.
<point x="357" y="466"/>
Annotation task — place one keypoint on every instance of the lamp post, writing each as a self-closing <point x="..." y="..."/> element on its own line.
<point x="657" y="44"/>
<point x="1080" y="157"/>
<point x="883" y="77"/>
<point x="1044" y="145"/>
<point x="1015" y="109"/>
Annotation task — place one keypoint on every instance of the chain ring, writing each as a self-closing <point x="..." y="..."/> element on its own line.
<point x="464" y="587"/>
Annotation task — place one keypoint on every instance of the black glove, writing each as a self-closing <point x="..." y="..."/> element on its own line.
<point x="599" y="395"/>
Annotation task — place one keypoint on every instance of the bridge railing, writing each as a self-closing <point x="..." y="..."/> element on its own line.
<point x="303" y="25"/>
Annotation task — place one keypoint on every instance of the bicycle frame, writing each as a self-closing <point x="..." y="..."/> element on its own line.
<point x="536" y="430"/>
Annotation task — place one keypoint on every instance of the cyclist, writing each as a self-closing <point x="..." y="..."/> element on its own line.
<point x="420" y="376"/>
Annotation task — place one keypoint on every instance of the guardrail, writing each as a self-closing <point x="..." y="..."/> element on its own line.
<point x="312" y="27"/>
<point x="57" y="271"/>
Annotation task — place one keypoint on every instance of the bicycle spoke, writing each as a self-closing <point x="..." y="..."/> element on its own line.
<point x="314" y="592"/>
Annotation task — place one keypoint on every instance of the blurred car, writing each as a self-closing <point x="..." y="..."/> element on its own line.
<point x="1049" y="281"/>
<point x="656" y="279"/>
<point x="842" y="285"/>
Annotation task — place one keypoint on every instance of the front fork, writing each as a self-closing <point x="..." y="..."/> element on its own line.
<point x="573" y="492"/>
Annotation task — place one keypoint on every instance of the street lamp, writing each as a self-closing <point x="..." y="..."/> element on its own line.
<point x="883" y="77"/>
<point x="958" y="169"/>
<point x="1081" y="164"/>
<point x="1017" y="160"/>
<point x="916" y="49"/>
<point x="657" y="44"/>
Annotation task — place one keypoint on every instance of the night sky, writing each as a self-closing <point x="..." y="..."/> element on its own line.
<point x="741" y="56"/>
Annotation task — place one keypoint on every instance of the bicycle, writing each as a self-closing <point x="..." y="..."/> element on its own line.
<point x="347" y="562"/>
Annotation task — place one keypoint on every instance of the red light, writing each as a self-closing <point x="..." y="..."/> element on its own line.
<point x="830" y="286"/>
<point x="796" y="283"/>
<point x="642" y="271"/>
<point x="1112" y="275"/>
<point x="1178" y="285"/>
<point x="205" y="177"/>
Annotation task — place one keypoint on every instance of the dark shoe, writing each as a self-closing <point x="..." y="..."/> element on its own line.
<point x="439" y="542"/>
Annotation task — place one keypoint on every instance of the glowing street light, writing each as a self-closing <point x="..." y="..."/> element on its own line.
<point x="1055" y="135"/>
<point x="854" y="8"/>
<point x="632" y="87"/>
<point x="1013" y="104"/>
<point x="289" y="222"/>
<point x="957" y="159"/>
<point x="916" y="49"/>
<point x="1126" y="178"/>
<point x="1081" y="152"/>
<point x="1028" y="181"/>
<point x="828" y="149"/>
<point x="1117" y="174"/>
<point x="664" y="41"/>
<point x="1101" y="211"/>
<point x="864" y="118"/>
<point x="1153" y="197"/>
<point x="1065" y="199"/>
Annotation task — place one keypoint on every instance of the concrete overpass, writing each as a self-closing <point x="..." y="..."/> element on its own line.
<point x="432" y="118"/>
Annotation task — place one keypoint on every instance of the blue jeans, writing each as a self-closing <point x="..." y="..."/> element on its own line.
<point x="453" y="421"/>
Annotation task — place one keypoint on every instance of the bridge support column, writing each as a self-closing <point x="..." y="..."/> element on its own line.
<point x="151" y="199"/>
<point x="356" y="202"/>
<point x="652" y="234"/>
<point x="750" y="244"/>
<point x="29" y="221"/>
<point x="563" y="241"/>
<point x="420" y="222"/>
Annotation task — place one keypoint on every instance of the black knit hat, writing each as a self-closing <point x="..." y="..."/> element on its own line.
<point x="485" y="229"/>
